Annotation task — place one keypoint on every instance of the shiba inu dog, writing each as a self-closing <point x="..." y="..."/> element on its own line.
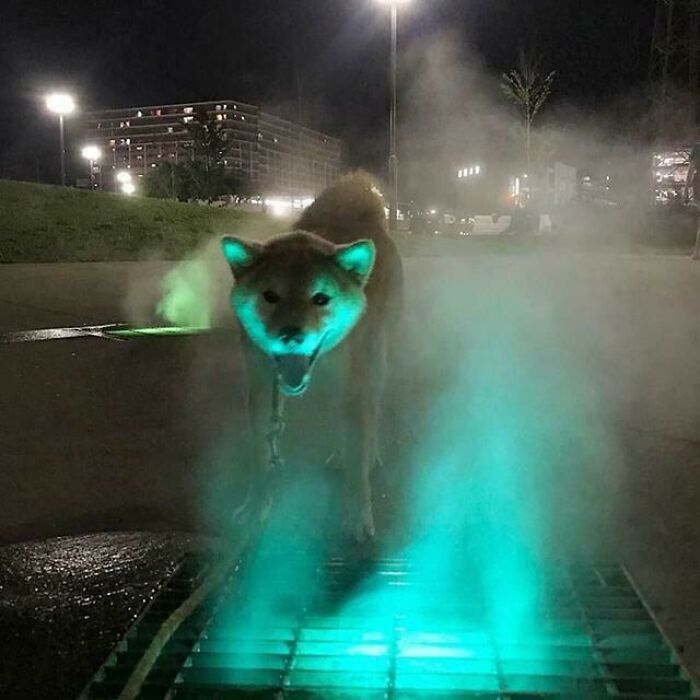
<point x="330" y="291"/>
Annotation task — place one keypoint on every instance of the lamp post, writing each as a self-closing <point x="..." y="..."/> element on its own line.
<point x="61" y="104"/>
<point x="393" y="159"/>
<point x="92" y="154"/>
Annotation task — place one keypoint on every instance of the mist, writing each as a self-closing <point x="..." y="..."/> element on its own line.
<point x="520" y="378"/>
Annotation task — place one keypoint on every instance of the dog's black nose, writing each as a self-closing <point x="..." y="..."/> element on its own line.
<point x="291" y="335"/>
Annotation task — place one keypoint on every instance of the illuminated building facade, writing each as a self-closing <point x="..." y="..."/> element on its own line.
<point x="273" y="154"/>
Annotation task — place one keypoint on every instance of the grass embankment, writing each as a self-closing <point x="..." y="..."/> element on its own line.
<point x="42" y="223"/>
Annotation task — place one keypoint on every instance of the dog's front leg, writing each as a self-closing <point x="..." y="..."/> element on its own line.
<point x="258" y="413"/>
<point x="362" y="398"/>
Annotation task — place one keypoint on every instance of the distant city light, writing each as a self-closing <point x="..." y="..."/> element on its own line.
<point x="469" y="171"/>
<point x="128" y="188"/>
<point x="282" y="206"/>
<point x="91" y="152"/>
<point x="60" y="103"/>
<point x="124" y="177"/>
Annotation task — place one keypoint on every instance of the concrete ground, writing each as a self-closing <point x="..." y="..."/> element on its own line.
<point x="588" y="363"/>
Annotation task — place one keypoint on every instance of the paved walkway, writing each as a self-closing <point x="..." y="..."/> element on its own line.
<point x="101" y="435"/>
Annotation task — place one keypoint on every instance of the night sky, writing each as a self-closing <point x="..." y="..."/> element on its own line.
<point x="333" y="53"/>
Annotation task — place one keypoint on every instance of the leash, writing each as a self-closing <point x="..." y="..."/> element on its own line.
<point x="221" y="572"/>
<point x="277" y="427"/>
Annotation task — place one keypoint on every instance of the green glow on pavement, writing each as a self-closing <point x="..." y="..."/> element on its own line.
<point x="157" y="331"/>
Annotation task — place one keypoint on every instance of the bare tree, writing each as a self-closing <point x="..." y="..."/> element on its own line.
<point x="529" y="89"/>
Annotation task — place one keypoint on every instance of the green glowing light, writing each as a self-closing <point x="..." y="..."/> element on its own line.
<point x="445" y="652"/>
<point x="333" y="679"/>
<point x="447" y="681"/>
<point x="458" y="607"/>
<point x="348" y="664"/>
<point x="341" y="635"/>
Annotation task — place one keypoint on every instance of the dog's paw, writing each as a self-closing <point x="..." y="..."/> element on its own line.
<point x="359" y="523"/>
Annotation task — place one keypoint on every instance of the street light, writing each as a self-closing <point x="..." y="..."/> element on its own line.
<point x="92" y="154"/>
<point x="393" y="160"/>
<point x="61" y="104"/>
<point x="128" y="187"/>
<point x="123" y="176"/>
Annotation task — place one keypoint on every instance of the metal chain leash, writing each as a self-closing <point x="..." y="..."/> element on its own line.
<point x="276" y="430"/>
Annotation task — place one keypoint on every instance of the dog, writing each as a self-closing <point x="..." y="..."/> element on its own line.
<point x="328" y="292"/>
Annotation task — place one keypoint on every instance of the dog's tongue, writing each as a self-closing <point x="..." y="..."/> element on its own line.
<point x="292" y="369"/>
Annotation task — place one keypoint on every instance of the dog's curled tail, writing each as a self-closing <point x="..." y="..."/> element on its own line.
<point x="352" y="204"/>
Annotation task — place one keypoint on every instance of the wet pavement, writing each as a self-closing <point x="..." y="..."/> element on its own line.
<point x="65" y="602"/>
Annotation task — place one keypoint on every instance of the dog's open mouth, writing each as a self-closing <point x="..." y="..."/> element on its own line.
<point x="294" y="371"/>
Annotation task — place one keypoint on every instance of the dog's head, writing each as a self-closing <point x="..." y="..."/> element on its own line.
<point x="298" y="296"/>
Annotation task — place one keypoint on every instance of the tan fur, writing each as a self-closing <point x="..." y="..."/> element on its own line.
<point x="347" y="212"/>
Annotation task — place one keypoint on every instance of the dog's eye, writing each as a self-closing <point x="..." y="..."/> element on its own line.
<point x="271" y="297"/>
<point x="320" y="299"/>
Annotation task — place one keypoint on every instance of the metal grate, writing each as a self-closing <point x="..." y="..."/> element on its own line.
<point x="114" y="673"/>
<point x="595" y="639"/>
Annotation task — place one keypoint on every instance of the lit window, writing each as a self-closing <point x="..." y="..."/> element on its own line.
<point x="187" y="119"/>
<point x="121" y="125"/>
<point x="153" y="165"/>
<point x="219" y="117"/>
<point x="235" y="106"/>
<point x="243" y="118"/>
<point x="139" y="157"/>
<point x="188" y="110"/>
<point x="225" y="106"/>
<point x="128" y="142"/>
<point x="477" y="170"/>
<point x="218" y="108"/>
<point x="128" y="123"/>
<point x="158" y="113"/>
<point x="112" y="142"/>
<point x="139" y="113"/>
<point x="139" y="148"/>
<point x="170" y="129"/>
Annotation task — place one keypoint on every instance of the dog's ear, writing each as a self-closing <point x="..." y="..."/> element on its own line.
<point x="356" y="258"/>
<point x="239" y="254"/>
